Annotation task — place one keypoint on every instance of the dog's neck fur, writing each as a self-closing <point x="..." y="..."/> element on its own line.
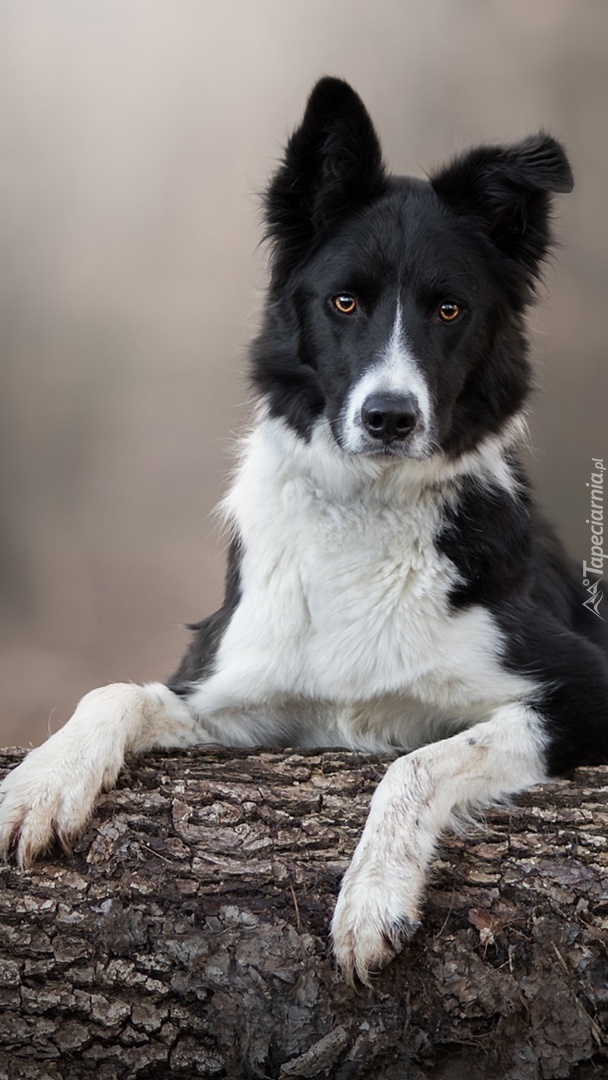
<point x="271" y="454"/>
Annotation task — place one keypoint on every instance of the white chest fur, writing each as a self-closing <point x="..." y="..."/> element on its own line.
<point x="345" y="596"/>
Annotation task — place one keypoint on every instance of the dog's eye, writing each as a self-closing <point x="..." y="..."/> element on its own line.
<point x="449" y="312"/>
<point x="344" y="303"/>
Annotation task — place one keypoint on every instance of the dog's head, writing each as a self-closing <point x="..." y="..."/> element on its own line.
<point x="395" y="305"/>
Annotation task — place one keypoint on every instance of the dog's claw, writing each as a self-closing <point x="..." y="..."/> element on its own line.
<point x="45" y="801"/>
<point x="368" y="930"/>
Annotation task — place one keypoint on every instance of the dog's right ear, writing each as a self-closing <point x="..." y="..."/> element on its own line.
<point x="331" y="168"/>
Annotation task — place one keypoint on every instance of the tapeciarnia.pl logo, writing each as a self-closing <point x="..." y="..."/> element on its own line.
<point x="593" y="570"/>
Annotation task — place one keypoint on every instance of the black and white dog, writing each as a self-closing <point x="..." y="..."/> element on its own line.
<point x="391" y="584"/>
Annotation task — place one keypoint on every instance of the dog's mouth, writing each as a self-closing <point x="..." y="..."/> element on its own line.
<point x="396" y="449"/>
<point x="414" y="448"/>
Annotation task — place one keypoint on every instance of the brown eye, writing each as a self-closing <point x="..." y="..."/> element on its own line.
<point x="449" y="312"/>
<point x="344" y="303"/>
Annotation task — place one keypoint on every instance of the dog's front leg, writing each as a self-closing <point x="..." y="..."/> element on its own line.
<point x="50" y="795"/>
<point x="417" y="800"/>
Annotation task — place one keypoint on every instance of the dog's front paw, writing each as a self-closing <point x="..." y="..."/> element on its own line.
<point x="48" y="798"/>
<point x="376" y="910"/>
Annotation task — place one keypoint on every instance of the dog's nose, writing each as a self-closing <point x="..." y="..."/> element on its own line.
<point x="391" y="417"/>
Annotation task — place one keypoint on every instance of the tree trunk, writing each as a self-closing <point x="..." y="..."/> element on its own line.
<point x="187" y="934"/>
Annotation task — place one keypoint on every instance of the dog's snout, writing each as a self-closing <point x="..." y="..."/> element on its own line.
<point x="391" y="417"/>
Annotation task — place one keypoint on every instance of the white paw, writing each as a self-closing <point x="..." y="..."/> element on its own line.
<point x="49" y="797"/>
<point x="378" y="907"/>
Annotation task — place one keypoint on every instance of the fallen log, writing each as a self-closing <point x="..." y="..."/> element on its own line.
<point x="186" y="935"/>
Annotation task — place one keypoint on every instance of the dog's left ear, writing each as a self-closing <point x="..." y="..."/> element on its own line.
<point x="508" y="190"/>
<point x="332" y="167"/>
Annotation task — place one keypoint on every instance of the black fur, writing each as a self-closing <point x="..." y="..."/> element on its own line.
<point x="511" y="562"/>
<point x="332" y="167"/>
<point x="199" y="658"/>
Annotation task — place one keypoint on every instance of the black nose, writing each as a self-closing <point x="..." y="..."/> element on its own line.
<point x="389" y="417"/>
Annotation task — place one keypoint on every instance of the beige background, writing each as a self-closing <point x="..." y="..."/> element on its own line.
<point x="134" y="137"/>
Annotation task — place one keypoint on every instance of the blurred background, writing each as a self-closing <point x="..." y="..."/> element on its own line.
<point x="134" y="140"/>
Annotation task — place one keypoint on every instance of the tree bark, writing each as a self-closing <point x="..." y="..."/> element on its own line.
<point x="186" y="936"/>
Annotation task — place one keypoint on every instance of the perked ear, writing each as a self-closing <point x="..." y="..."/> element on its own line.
<point x="332" y="167"/>
<point x="508" y="189"/>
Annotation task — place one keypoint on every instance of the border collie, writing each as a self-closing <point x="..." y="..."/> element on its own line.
<point x="391" y="584"/>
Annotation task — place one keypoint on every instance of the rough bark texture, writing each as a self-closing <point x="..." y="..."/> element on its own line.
<point x="187" y="935"/>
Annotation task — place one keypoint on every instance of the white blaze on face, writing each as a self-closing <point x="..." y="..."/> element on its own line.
<point x="396" y="372"/>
